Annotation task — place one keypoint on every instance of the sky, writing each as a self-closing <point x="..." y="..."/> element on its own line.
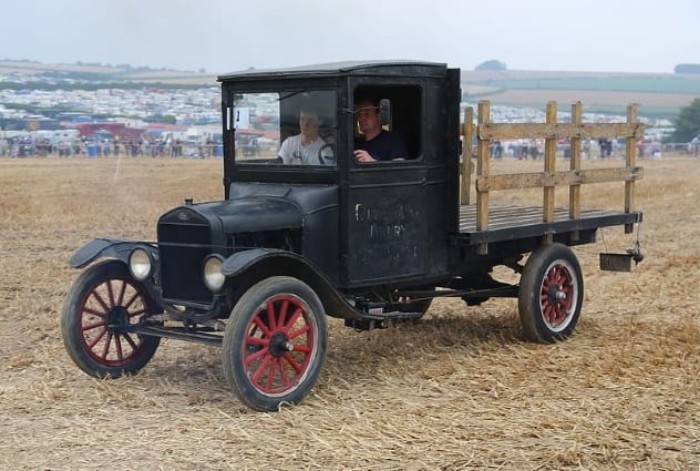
<point x="228" y="35"/>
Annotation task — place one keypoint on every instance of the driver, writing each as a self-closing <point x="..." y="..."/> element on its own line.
<point x="306" y="147"/>
<point x="376" y="144"/>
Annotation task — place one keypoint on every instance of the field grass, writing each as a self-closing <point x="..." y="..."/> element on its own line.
<point x="458" y="390"/>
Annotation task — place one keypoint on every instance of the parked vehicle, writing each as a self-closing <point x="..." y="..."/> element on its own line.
<point x="258" y="272"/>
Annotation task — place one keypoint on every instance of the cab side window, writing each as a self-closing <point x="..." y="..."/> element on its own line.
<point x="404" y="117"/>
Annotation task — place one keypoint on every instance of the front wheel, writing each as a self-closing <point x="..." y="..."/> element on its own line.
<point x="550" y="294"/>
<point x="103" y="303"/>
<point x="275" y="343"/>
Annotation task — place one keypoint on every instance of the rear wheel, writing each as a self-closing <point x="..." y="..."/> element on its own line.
<point x="275" y="343"/>
<point x="550" y="294"/>
<point x="103" y="302"/>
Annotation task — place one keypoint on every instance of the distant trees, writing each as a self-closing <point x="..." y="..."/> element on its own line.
<point x="492" y="64"/>
<point x="688" y="122"/>
<point x="687" y="69"/>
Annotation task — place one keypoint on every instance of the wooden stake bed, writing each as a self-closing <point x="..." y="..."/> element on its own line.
<point x="512" y="222"/>
<point x="483" y="223"/>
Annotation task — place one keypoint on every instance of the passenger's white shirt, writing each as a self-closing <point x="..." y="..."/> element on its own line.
<point x="293" y="151"/>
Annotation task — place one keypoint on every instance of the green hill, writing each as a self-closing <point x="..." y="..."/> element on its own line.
<point x="82" y="74"/>
<point x="657" y="94"/>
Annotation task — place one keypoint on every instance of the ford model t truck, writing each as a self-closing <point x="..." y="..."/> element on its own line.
<point x="295" y="241"/>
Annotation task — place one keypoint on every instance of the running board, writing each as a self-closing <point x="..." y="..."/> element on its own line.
<point x="178" y="333"/>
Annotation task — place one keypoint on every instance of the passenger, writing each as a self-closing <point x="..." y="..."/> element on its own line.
<point x="376" y="144"/>
<point x="306" y="148"/>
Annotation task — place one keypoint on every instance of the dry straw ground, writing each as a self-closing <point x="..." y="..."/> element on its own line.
<point x="459" y="390"/>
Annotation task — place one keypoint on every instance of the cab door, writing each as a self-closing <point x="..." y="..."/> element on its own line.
<point x="386" y="218"/>
<point x="386" y="223"/>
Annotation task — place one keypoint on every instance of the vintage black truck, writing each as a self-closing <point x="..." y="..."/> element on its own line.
<point x="371" y="243"/>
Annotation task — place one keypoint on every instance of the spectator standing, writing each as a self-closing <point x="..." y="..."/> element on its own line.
<point x="695" y="145"/>
<point x="641" y="146"/>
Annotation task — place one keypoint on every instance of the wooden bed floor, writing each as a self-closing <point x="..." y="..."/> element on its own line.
<point x="506" y="217"/>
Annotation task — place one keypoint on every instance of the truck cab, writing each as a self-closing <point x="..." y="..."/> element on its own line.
<point x="364" y="224"/>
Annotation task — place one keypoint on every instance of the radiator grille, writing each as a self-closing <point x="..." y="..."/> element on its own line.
<point x="183" y="249"/>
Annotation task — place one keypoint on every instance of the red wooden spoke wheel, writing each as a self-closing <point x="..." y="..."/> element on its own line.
<point x="557" y="295"/>
<point x="275" y="343"/>
<point x="104" y="301"/>
<point x="550" y="294"/>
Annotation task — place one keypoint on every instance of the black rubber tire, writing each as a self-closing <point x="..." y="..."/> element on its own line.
<point x="257" y="359"/>
<point x="103" y="296"/>
<point x="550" y="294"/>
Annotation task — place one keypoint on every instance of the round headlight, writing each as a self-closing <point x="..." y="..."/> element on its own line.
<point x="140" y="264"/>
<point x="213" y="277"/>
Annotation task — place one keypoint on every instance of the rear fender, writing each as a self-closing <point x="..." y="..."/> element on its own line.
<point x="109" y="248"/>
<point x="250" y="266"/>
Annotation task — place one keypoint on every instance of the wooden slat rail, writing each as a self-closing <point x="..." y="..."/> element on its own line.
<point x="509" y="131"/>
<point x="631" y="161"/>
<point x="482" y="169"/>
<point x="550" y="178"/>
<point x="550" y="162"/>
<point x="468" y="133"/>
<point x="576" y="177"/>
<point x="575" y="166"/>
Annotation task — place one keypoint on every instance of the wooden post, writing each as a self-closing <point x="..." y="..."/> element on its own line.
<point x="468" y="133"/>
<point x="550" y="158"/>
<point x="631" y="162"/>
<point x="482" y="169"/>
<point x="575" y="164"/>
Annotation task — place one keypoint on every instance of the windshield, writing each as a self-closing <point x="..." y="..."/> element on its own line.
<point x="286" y="128"/>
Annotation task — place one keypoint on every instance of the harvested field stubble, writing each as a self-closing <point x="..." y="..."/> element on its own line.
<point x="458" y="390"/>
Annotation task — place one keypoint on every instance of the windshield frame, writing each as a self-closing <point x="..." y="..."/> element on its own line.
<point x="287" y="174"/>
<point x="287" y="122"/>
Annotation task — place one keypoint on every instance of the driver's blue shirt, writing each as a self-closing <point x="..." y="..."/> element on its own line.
<point x="386" y="146"/>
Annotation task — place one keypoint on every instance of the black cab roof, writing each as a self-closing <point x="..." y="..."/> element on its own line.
<point x="394" y="67"/>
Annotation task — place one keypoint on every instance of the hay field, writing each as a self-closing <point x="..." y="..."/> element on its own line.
<point x="458" y="390"/>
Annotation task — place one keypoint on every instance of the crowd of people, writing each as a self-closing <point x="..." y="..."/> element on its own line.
<point x="306" y="147"/>
<point x="603" y="148"/>
<point x="27" y="146"/>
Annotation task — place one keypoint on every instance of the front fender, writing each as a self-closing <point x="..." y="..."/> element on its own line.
<point x="110" y="248"/>
<point x="256" y="264"/>
<point x="241" y="261"/>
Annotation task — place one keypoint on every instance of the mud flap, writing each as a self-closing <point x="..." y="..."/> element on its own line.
<point x="616" y="261"/>
<point x="621" y="261"/>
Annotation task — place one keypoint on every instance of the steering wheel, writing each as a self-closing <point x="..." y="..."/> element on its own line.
<point x="326" y="154"/>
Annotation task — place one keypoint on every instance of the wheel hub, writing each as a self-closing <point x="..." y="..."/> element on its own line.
<point x="117" y="320"/>
<point x="280" y="344"/>
<point x="556" y="295"/>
